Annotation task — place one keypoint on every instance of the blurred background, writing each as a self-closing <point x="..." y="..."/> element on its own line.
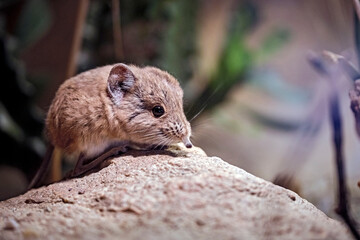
<point x="251" y="95"/>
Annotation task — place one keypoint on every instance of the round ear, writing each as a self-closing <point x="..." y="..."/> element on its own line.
<point x="121" y="80"/>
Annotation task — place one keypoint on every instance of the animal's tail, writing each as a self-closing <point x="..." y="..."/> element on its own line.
<point x="44" y="167"/>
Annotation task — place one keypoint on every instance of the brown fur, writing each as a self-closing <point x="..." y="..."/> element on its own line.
<point x="85" y="118"/>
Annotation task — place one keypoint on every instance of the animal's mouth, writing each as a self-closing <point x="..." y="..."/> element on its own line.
<point x="187" y="142"/>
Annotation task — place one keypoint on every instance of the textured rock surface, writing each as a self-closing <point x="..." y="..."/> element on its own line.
<point x="161" y="196"/>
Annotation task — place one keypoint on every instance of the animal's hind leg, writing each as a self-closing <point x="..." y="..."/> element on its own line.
<point x="83" y="165"/>
<point x="44" y="167"/>
<point x="56" y="172"/>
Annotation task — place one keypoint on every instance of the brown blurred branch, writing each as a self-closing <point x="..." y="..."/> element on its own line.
<point x="343" y="208"/>
<point x="80" y="19"/>
<point x="212" y="20"/>
<point x="118" y="46"/>
<point x="54" y="55"/>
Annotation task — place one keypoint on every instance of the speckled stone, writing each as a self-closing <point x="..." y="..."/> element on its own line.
<point x="165" y="195"/>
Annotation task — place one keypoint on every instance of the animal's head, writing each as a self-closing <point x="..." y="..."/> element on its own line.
<point x="149" y="104"/>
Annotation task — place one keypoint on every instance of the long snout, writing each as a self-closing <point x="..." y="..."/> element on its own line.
<point x="187" y="142"/>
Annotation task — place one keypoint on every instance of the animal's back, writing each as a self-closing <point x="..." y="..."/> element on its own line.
<point x="78" y="109"/>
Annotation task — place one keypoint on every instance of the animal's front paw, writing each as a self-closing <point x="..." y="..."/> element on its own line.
<point x="121" y="149"/>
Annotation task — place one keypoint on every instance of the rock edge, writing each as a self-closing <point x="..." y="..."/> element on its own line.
<point x="165" y="195"/>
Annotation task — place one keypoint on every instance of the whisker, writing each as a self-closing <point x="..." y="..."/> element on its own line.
<point x="166" y="143"/>
<point x="158" y="144"/>
<point x="204" y="104"/>
<point x="198" y="113"/>
<point x="163" y="142"/>
<point x="141" y="131"/>
<point x="151" y="134"/>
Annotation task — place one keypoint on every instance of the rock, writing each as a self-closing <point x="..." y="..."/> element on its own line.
<point x="165" y="195"/>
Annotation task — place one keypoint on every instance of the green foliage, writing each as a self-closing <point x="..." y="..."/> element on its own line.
<point x="237" y="58"/>
<point x="20" y="126"/>
<point x="179" y="38"/>
<point x="273" y="42"/>
<point x="33" y="22"/>
<point x="8" y="126"/>
<point x="234" y="62"/>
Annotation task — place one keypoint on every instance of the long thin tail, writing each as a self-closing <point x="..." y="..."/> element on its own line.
<point x="44" y="167"/>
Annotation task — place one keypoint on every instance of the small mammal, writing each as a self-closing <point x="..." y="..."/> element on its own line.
<point x="101" y="112"/>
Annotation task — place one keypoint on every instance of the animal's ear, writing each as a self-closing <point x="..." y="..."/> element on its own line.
<point x="121" y="79"/>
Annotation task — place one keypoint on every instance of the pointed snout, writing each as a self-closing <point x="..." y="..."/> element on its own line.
<point x="187" y="142"/>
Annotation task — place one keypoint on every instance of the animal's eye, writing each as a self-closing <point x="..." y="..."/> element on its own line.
<point x="158" y="111"/>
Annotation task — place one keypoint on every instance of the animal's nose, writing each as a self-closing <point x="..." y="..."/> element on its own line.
<point x="187" y="142"/>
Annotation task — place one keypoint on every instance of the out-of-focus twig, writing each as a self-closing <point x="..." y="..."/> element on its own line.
<point x="118" y="45"/>
<point x="355" y="94"/>
<point x="357" y="7"/>
<point x="82" y="10"/>
<point x="343" y="208"/>
<point x="345" y="64"/>
<point x="354" y="75"/>
<point x="355" y="105"/>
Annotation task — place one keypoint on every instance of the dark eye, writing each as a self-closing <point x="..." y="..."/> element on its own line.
<point x="158" y="111"/>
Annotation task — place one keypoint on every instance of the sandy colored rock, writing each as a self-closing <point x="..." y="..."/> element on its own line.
<point x="163" y="196"/>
